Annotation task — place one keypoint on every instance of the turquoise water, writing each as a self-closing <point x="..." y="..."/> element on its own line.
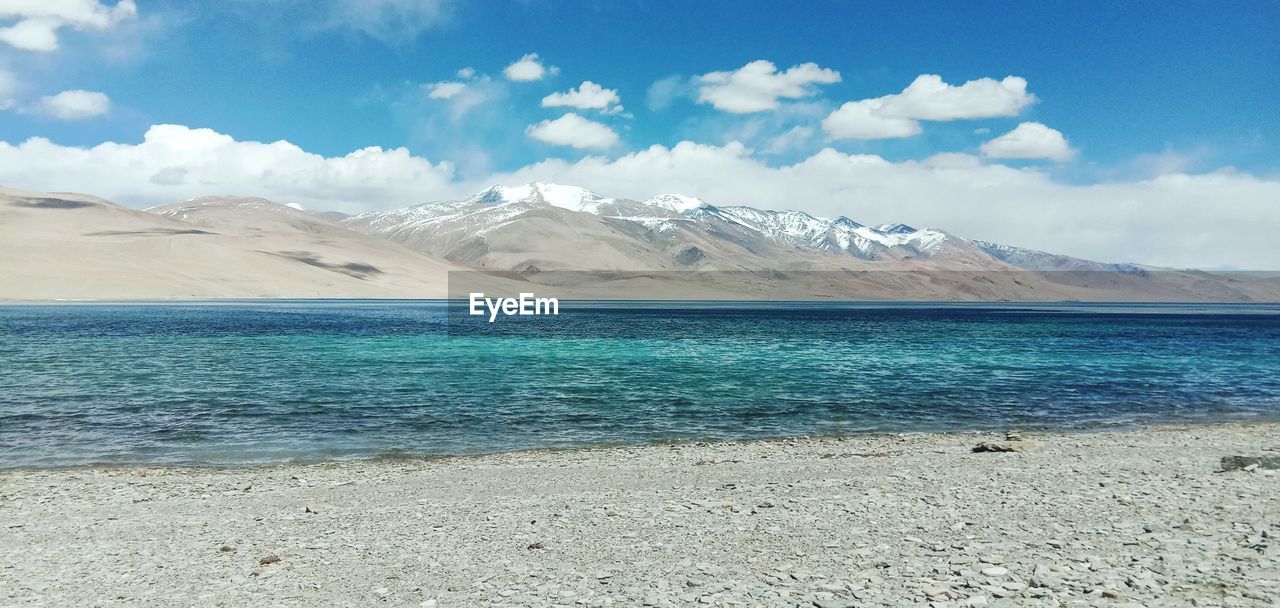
<point x="260" y="382"/>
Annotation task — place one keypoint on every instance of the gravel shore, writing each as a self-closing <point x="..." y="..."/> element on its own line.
<point x="1138" y="518"/>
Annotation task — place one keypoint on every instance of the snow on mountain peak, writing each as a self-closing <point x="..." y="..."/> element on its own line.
<point x="500" y="203"/>
<point x="895" y="229"/>
<point x="679" y="204"/>
<point x="573" y="198"/>
<point x="666" y="217"/>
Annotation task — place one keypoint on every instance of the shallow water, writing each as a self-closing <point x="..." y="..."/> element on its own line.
<point x="259" y="382"/>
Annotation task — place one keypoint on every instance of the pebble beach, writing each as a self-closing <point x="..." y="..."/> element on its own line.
<point x="1143" y="517"/>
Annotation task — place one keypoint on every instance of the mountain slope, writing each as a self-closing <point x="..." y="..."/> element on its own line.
<point x="75" y="246"/>
<point x="56" y="246"/>
<point x="545" y="232"/>
<point x="501" y="228"/>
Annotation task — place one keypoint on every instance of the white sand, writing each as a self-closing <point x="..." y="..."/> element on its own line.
<point x="1128" y="518"/>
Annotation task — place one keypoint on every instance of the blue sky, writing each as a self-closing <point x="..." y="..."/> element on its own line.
<point x="1120" y="80"/>
<point x="1114" y="93"/>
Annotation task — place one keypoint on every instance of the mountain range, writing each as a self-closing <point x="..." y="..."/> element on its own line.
<point x="544" y="226"/>
<point x="555" y="237"/>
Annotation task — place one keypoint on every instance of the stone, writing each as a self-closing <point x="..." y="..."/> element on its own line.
<point x="987" y="446"/>
<point x="936" y="590"/>
<point x="1232" y="463"/>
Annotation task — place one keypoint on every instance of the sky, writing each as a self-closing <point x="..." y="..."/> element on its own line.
<point x="1141" y="131"/>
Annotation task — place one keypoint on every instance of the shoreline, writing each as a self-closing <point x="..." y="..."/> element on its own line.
<point x="1143" y="517"/>
<point x="924" y="302"/>
<point x="710" y="443"/>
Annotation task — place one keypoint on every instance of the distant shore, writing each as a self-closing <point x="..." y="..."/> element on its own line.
<point x="1143" y="517"/>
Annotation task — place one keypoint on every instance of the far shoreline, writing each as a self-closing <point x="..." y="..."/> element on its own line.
<point x="871" y="302"/>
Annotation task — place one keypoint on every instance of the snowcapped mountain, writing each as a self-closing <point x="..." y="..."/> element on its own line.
<point x="560" y="227"/>
<point x="79" y="246"/>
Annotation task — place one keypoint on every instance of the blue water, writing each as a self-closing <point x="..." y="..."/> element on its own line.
<point x="260" y="382"/>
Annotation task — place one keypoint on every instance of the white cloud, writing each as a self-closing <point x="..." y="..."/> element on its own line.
<point x="175" y="162"/>
<point x="32" y="25"/>
<point x="8" y="90"/>
<point x="528" y="68"/>
<point x="1220" y="219"/>
<point x="862" y="120"/>
<point x="463" y="96"/>
<point x="758" y="86"/>
<point x="467" y="72"/>
<point x="446" y="90"/>
<point x="798" y="136"/>
<point x="74" y="105"/>
<point x="588" y="96"/>
<point x="390" y="21"/>
<point x="927" y="98"/>
<point x="665" y="91"/>
<point x="1029" y="140"/>
<point x="1169" y="161"/>
<point x="573" y="130"/>
<point x="1209" y="220"/>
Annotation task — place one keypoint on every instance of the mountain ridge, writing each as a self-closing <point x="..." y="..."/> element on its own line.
<point x="557" y="241"/>
<point x="757" y="238"/>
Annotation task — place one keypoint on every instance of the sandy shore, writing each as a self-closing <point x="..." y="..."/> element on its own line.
<point x="1137" y="518"/>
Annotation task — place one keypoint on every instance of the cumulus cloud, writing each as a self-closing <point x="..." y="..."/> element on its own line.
<point x="862" y="120"/>
<point x="1029" y="140"/>
<point x="1210" y="220"/>
<point x="758" y="86"/>
<point x="575" y="131"/>
<point x="390" y="21"/>
<point x="1214" y="220"/>
<point x="528" y="68"/>
<point x="74" y="105"/>
<point x="175" y="162"/>
<point x="928" y="97"/>
<point x="32" y="25"/>
<point x="588" y="96"/>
